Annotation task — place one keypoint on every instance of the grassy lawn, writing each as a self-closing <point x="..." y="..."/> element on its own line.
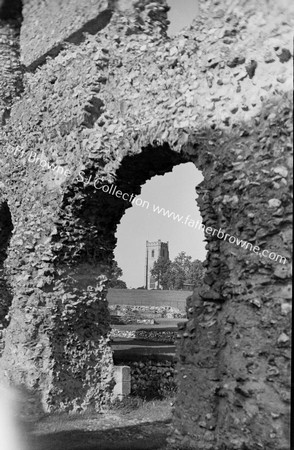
<point x="133" y="425"/>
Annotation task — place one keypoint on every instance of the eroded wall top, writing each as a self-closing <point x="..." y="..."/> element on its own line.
<point x="48" y="25"/>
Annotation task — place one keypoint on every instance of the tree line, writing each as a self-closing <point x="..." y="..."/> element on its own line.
<point x="179" y="272"/>
<point x="169" y="275"/>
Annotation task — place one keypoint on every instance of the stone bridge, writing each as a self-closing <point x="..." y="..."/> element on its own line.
<point x="95" y="92"/>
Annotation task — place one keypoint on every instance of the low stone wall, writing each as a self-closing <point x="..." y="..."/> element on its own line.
<point x="134" y="312"/>
<point x="121" y="320"/>
<point x="152" y="379"/>
<point x="155" y="335"/>
<point x="144" y="297"/>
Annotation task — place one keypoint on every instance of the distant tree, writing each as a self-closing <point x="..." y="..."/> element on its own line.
<point x="175" y="274"/>
<point x="182" y="264"/>
<point x="196" y="273"/>
<point x="116" y="273"/>
<point x="118" y="284"/>
<point x="159" y="271"/>
<point x="184" y="261"/>
<point x="141" y="287"/>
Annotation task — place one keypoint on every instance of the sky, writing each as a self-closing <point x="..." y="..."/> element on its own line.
<point x="181" y="14"/>
<point x="174" y="191"/>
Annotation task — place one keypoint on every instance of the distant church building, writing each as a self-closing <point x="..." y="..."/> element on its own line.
<point x="154" y="250"/>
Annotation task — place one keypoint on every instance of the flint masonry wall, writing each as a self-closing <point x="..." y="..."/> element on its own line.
<point x="124" y="104"/>
<point x="10" y="69"/>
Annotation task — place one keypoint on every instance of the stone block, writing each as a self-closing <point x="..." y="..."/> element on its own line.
<point x="122" y="377"/>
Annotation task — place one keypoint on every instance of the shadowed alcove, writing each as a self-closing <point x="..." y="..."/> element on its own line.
<point x="6" y="228"/>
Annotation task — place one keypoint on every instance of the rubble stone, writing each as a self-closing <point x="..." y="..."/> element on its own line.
<point x="121" y="104"/>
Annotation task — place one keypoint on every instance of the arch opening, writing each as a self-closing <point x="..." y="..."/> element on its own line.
<point x="84" y="245"/>
<point x="168" y="211"/>
<point x="144" y="317"/>
<point x="103" y="199"/>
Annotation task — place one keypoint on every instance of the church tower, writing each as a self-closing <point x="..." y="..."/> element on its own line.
<point x="154" y="250"/>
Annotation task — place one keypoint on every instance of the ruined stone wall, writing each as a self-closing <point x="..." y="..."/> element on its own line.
<point x="151" y="378"/>
<point x="239" y="350"/>
<point x="60" y="23"/>
<point x="10" y="68"/>
<point x="124" y="104"/>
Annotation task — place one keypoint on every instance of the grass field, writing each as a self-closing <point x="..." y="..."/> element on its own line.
<point x="143" y="427"/>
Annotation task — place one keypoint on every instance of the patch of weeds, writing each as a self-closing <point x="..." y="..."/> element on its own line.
<point x="127" y="404"/>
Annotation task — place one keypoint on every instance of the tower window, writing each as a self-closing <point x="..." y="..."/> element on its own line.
<point x="152" y="254"/>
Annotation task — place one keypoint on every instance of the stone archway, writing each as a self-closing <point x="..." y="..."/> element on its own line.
<point x="70" y="285"/>
<point x="83" y="257"/>
<point x="72" y="320"/>
<point x="208" y="99"/>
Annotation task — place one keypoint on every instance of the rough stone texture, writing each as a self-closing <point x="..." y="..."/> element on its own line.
<point x="55" y="26"/>
<point x="124" y="105"/>
<point x="145" y="334"/>
<point x="152" y="378"/>
<point x="127" y="313"/>
<point x="10" y="69"/>
<point x="143" y="298"/>
<point x="48" y="26"/>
